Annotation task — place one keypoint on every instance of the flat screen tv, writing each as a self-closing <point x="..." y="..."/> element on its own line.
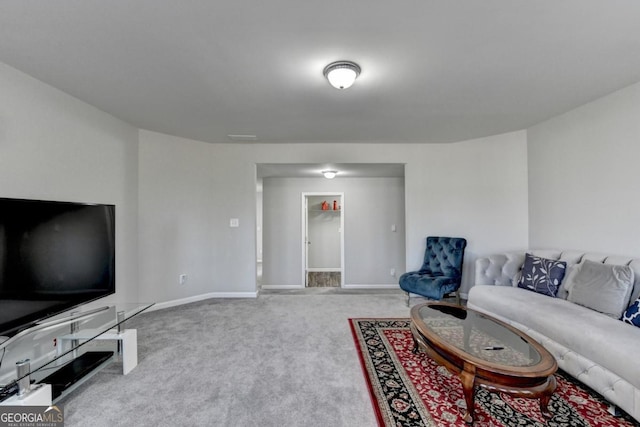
<point x="53" y="256"/>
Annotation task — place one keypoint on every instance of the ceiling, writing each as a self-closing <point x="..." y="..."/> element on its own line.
<point x="432" y="70"/>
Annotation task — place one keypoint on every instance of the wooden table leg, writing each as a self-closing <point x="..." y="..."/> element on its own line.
<point x="546" y="396"/>
<point x="416" y="347"/>
<point x="468" y="377"/>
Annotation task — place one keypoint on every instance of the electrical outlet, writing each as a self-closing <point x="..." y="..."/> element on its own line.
<point x="393" y="272"/>
<point x="182" y="279"/>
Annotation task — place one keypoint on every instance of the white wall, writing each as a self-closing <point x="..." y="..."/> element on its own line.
<point x="189" y="190"/>
<point x="583" y="177"/>
<point x="581" y="191"/>
<point x="371" y="205"/>
<point x="174" y="196"/>
<point x="371" y="248"/>
<point x="55" y="147"/>
<point x="474" y="189"/>
<point x="259" y="219"/>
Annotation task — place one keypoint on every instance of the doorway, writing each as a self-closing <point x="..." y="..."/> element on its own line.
<point x="323" y="239"/>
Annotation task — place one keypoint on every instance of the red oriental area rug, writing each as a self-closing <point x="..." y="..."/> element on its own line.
<point x="410" y="389"/>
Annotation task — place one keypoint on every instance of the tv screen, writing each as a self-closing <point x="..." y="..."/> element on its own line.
<point x="53" y="256"/>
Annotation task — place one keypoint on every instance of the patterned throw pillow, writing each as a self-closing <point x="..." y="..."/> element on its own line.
<point x="542" y="275"/>
<point x="632" y="314"/>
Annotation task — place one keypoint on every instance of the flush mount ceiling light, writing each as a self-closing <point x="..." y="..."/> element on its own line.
<point x="329" y="174"/>
<point x="342" y="74"/>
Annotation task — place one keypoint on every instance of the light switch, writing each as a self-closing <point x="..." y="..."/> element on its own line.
<point x="393" y="228"/>
<point x="234" y="222"/>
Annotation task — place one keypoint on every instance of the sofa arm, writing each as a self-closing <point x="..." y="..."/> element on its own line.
<point x="498" y="269"/>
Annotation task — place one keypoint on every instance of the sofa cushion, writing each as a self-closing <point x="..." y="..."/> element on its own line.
<point x="599" y="338"/>
<point x="542" y="275"/>
<point x="632" y="314"/>
<point x="602" y="287"/>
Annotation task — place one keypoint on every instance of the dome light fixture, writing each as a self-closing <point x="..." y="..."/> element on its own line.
<point x="342" y="74"/>
<point x="329" y="174"/>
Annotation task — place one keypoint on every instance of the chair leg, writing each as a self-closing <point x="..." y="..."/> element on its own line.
<point x="408" y="298"/>
<point x="458" y="297"/>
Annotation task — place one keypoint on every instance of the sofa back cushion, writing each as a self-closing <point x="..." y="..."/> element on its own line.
<point x="498" y="269"/>
<point x="503" y="269"/>
<point x="602" y="287"/>
<point x="634" y="264"/>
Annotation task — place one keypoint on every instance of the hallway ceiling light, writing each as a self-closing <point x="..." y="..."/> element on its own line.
<point x="329" y="174"/>
<point x="342" y="74"/>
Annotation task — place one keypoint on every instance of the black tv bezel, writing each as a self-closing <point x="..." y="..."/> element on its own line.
<point x="36" y="317"/>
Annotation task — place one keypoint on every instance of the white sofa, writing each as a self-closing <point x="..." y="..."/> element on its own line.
<point x="598" y="350"/>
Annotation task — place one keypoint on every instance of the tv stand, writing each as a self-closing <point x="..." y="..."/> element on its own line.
<point x="127" y="344"/>
<point x="77" y="342"/>
<point x="40" y="395"/>
<point x="64" y="378"/>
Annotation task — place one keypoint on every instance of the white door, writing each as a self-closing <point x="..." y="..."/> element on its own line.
<point x="323" y="237"/>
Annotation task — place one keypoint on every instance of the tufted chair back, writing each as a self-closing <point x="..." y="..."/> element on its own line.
<point x="443" y="256"/>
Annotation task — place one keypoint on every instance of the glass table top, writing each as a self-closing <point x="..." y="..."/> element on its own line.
<point x="56" y="340"/>
<point x="475" y="334"/>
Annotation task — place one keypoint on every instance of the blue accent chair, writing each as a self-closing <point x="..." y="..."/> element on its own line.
<point x="441" y="271"/>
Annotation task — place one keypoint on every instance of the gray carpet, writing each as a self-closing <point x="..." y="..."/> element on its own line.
<point x="284" y="359"/>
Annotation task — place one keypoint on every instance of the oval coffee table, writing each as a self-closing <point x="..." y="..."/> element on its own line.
<point x="483" y="351"/>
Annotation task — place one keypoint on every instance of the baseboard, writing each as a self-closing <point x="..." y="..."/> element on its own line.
<point x="388" y="286"/>
<point x="359" y="286"/>
<point x="202" y="297"/>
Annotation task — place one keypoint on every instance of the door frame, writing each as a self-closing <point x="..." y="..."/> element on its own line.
<point x="304" y="232"/>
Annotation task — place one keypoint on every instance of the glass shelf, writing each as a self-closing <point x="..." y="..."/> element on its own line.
<point x="54" y="342"/>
